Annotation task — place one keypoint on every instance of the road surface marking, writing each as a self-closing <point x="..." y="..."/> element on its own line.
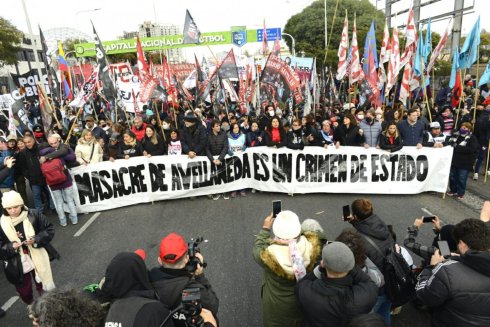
<point x="10" y="302"/>
<point x="87" y="224"/>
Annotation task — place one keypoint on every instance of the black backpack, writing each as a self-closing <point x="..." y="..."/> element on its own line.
<point x="400" y="280"/>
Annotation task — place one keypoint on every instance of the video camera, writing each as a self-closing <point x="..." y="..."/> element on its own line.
<point x="191" y="306"/>
<point x="192" y="249"/>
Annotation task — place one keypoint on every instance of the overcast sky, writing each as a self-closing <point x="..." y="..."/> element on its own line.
<point x="116" y="16"/>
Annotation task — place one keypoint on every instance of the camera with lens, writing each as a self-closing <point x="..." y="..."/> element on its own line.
<point x="191" y="306"/>
<point x="192" y="249"/>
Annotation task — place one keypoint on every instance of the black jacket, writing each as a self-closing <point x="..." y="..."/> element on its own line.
<point x="32" y="167"/>
<point x="333" y="302"/>
<point x="128" y="288"/>
<point x="349" y="136"/>
<point x="464" y="154"/>
<point x="194" y="139"/>
<point x="482" y="128"/>
<point x="458" y="290"/>
<point x="153" y="149"/>
<point x="131" y="151"/>
<point x="377" y="230"/>
<point x="217" y="145"/>
<point x="169" y="284"/>
<point x="44" y="230"/>
<point x="295" y="140"/>
<point x="384" y="143"/>
<point x="268" y="139"/>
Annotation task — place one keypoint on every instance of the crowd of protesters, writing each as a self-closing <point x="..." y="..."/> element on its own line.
<point x="301" y="269"/>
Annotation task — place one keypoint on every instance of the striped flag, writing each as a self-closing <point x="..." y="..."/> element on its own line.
<point x="394" y="61"/>
<point x="355" y="71"/>
<point x="64" y="72"/>
<point x="411" y="39"/>
<point x="384" y="55"/>
<point x="439" y="47"/>
<point x="342" y="53"/>
<point x="407" y="77"/>
<point x="143" y="67"/>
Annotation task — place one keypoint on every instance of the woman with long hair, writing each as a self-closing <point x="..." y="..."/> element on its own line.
<point x="390" y="139"/>
<point x="275" y="135"/>
<point x="130" y="147"/>
<point x="349" y="133"/>
<point x="88" y="150"/>
<point x="152" y="143"/>
<point x="27" y="233"/>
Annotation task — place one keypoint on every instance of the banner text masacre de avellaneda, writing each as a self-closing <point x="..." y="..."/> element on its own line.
<point x="108" y="185"/>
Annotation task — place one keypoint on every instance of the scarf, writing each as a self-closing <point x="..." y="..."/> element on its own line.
<point x="276" y="135"/>
<point x="327" y="137"/>
<point x="131" y="144"/>
<point x="296" y="258"/>
<point x="235" y="135"/>
<point x="39" y="256"/>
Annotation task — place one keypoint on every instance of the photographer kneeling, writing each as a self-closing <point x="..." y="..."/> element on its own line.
<point x="179" y="271"/>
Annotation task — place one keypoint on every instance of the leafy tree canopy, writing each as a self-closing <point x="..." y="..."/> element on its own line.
<point x="308" y="27"/>
<point x="10" y="40"/>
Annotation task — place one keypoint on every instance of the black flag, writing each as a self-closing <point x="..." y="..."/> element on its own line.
<point x="104" y="71"/>
<point x="53" y="90"/>
<point x="191" y="32"/>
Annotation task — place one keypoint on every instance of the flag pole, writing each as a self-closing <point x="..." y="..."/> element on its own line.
<point x="476" y="81"/>
<point x="488" y="157"/>
<point x="80" y="109"/>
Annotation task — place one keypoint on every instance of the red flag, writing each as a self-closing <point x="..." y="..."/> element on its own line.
<point x="142" y="64"/>
<point x="439" y="46"/>
<point x="457" y="90"/>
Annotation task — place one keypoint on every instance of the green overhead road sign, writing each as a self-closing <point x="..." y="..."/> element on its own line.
<point x="162" y="43"/>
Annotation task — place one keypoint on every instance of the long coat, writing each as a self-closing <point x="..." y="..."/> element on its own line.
<point x="279" y="304"/>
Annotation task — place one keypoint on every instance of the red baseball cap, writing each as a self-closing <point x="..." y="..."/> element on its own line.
<point x="172" y="248"/>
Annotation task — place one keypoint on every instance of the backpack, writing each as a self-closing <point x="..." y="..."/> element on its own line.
<point x="54" y="172"/>
<point x="400" y="280"/>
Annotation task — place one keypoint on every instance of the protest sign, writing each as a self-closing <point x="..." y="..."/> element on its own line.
<point x="108" y="185"/>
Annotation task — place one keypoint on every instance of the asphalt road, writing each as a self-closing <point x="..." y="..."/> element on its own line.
<point x="230" y="226"/>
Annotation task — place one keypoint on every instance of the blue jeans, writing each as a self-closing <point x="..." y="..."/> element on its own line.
<point x="61" y="197"/>
<point x="457" y="180"/>
<point x="383" y="308"/>
<point x="37" y="191"/>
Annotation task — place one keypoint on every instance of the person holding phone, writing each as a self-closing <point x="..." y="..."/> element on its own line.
<point x="28" y="233"/>
<point x="457" y="290"/>
<point x="286" y="254"/>
<point x="443" y="233"/>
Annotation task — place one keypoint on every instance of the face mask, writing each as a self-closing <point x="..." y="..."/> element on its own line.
<point x="378" y="117"/>
<point x="463" y="131"/>
<point x="271" y="113"/>
<point x="361" y="117"/>
<point x="226" y="128"/>
<point x="76" y="130"/>
<point x="165" y="126"/>
<point x="369" y="119"/>
<point x="38" y="134"/>
<point x="188" y="124"/>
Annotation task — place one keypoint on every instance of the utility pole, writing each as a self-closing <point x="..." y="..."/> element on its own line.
<point x="458" y="21"/>
<point x="34" y="43"/>
<point x="388" y="13"/>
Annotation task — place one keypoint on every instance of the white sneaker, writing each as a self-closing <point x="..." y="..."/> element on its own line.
<point x="475" y="176"/>
<point x="216" y="196"/>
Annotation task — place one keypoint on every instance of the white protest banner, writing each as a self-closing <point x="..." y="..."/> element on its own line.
<point x="108" y="185"/>
<point x="127" y="85"/>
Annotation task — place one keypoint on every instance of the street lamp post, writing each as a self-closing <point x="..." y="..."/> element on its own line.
<point x="293" y="44"/>
<point x="81" y="12"/>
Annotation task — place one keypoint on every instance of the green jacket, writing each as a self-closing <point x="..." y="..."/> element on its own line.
<point x="279" y="306"/>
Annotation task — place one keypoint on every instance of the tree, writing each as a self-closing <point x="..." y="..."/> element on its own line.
<point x="308" y="27"/>
<point x="10" y="38"/>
